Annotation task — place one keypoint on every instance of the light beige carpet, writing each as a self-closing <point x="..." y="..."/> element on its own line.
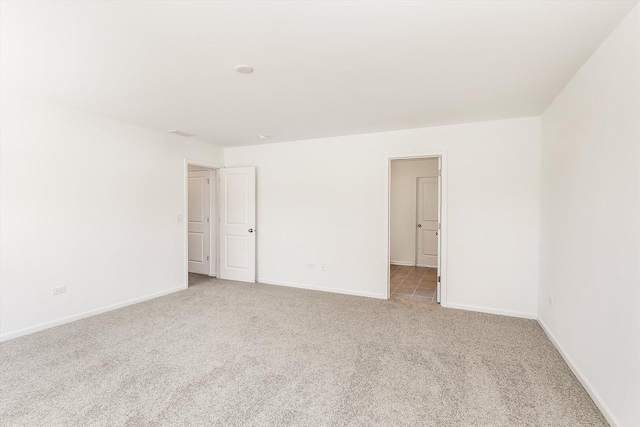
<point x="232" y="354"/>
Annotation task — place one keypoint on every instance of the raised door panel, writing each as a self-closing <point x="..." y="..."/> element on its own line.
<point x="236" y="206"/>
<point x="196" y="247"/>
<point x="196" y="199"/>
<point x="429" y="242"/>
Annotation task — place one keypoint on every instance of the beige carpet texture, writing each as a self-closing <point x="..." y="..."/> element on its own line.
<point x="224" y="353"/>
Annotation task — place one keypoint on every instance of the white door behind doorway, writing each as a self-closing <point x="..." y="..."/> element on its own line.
<point x="427" y="222"/>
<point x="199" y="217"/>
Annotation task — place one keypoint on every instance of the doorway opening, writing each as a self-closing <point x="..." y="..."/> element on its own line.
<point x="201" y="218"/>
<point x="219" y="223"/>
<point x="415" y="229"/>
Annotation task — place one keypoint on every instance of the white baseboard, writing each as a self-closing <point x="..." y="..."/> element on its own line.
<point x="412" y="264"/>
<point x="46" y="325"/>
<point x="491" y="310"/>
<point x="580" y="376"/>
<point x="323" y="289"/>
<point x="408" y="264"/>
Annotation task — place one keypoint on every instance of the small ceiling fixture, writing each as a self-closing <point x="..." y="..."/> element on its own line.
<point x="178" y="132"/>
<point x="244" y="69"/>
<point x="264" y="136"/>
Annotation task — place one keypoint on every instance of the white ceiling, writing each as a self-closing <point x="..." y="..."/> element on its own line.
<point x="321" y="68"/>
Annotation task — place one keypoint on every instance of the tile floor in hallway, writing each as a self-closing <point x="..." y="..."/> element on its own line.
<point x="413" y="283"/>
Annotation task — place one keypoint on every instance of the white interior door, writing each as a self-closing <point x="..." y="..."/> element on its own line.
<point x="199" y="213"/>
<point x="237" y="201"/>
<point x="427" y="222"/>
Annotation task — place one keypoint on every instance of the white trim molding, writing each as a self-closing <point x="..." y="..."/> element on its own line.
<point x="323" y="289"/>
<point x="403" y="263"/>
<point x="490" y="310"/>
<point x="85" y="314"/>
<point x="606" y="412"/>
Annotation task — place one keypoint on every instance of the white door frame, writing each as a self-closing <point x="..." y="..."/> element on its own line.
<point x="442" y="154"/>
<point x="185" y="218"/>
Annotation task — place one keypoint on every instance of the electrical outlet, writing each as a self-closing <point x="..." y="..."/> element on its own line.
<point x="310" y="266"/>
<point x="323" y="267"/>
<point x="550" y="298"/>
<point x="59" y="290"/>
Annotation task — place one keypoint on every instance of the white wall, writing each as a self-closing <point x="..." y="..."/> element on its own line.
<point x="590" y="242"/>
<point x="402" y="209"/>
<point x="324" y="202"/>
<point x="88" y="203"/>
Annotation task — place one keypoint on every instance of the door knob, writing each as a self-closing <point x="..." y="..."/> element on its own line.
<point x="251" y="230"/>
<point x="419" y="225"/>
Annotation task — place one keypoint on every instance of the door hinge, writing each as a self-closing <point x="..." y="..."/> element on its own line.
<point x="207" y="180"/>
<point x="439" y="172"/>
<point x="207" y="219"/>
<point x="207" y="257"/>
<point x="438" y="279"/>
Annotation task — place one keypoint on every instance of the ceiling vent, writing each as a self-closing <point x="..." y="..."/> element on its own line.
<point x="179" y="132"/>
